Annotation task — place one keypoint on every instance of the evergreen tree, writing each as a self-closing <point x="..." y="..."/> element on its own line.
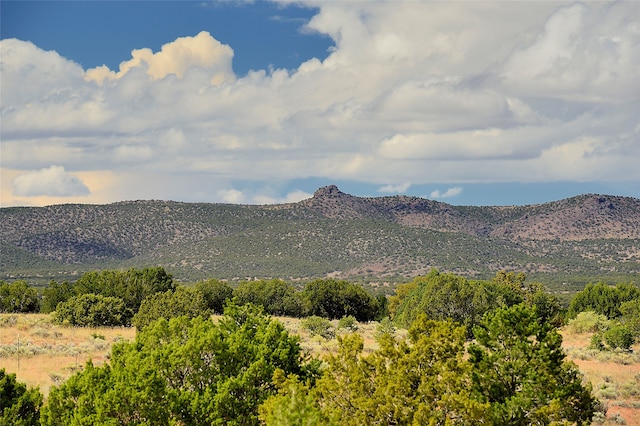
<point x="519" y="368"/>
<point x="18" y="297"/>
<point x="54" y="294"/>
<point x="216" y="294"/>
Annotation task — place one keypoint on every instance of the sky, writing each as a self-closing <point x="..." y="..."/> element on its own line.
<point x="469" y="103"/>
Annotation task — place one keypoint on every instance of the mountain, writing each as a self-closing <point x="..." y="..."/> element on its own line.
<point x="575" y="240"/>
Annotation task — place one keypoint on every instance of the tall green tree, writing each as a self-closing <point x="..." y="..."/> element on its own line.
<point x="55" y="293"/>
<point x="446" y="296"/>
<point x="449" y="296"/>
<point x="519" y="369"/>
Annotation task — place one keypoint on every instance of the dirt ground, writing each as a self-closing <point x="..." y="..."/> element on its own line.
<point x="615" y="377"/>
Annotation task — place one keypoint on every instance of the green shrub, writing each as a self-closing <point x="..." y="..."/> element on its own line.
<point x="596" y="342"/>
<point x="334" y="299"/>
<point x="318" y="326"/>
<point x="348" y="323"/>
<point x="183" y="301"/>
<point x="216" y="294"/>
<point x="93" y="310"/>
<point x="385" y="327"/>
<point x="588" y="322"/>
<point x="618" y="336"/>
<point x="8" y="320"/>
<point x="18" y="297"/>
<point x="277" y="297"/>
<point x="630" y="388"/>
<point x="631" y="316"/>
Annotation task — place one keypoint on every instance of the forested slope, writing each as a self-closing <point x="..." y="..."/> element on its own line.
<point x="331" y="234"/>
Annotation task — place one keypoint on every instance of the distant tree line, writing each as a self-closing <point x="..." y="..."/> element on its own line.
<point x="613" y="311"/>
<point x="139" y="297"/>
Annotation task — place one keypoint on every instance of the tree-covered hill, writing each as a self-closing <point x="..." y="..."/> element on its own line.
<point x="588" y="237"/>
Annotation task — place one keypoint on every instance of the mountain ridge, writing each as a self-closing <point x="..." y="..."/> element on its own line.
<point x="330" y="234"/>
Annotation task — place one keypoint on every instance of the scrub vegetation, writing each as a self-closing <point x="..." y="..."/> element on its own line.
<point x="443" y="349"/>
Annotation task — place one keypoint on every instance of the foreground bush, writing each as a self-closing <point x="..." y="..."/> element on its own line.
<point x="184" y="371"/>
<point x="519" y="368"/>
<point x="618" y="336"/>
<point x="514" y="374"/>
<point x="19" y="406"/>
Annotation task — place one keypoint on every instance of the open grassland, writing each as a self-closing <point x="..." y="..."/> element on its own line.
<point x="43" y="354"/>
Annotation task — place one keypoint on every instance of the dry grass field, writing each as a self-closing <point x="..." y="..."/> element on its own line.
<point x="44" y="354"/>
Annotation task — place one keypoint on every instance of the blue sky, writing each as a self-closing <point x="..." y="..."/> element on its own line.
<point x="481" y="103"/>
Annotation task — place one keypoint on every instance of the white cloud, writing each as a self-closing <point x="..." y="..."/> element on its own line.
<point x="394" y="189"/>
<point x="585" y="51"/>
<point x="449" y="193"/>
<point x="291" y="197"/>
<point x="235" y="196"/>
<point x="42" y="74"/>
<point x="232" y="196"/>
<point x="420" y="92"/>
<point x="53" y="181"/>
<point x="177" y="57"/>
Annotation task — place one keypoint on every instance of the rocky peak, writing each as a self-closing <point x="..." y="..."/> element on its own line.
<point x="330" y="191"/>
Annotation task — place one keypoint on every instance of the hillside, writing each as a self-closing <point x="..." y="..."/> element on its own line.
<point x="588" y="237"/>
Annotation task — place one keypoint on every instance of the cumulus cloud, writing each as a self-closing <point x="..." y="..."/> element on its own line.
<point x="201" y="51"/>
<point x="394" y="189"/>
<point x="583" y="52"/>
<point x="420" y="92"/>
<point x="42" y="74"/>
<point x="449" y="193"/>
<point x="53" y="181"/>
